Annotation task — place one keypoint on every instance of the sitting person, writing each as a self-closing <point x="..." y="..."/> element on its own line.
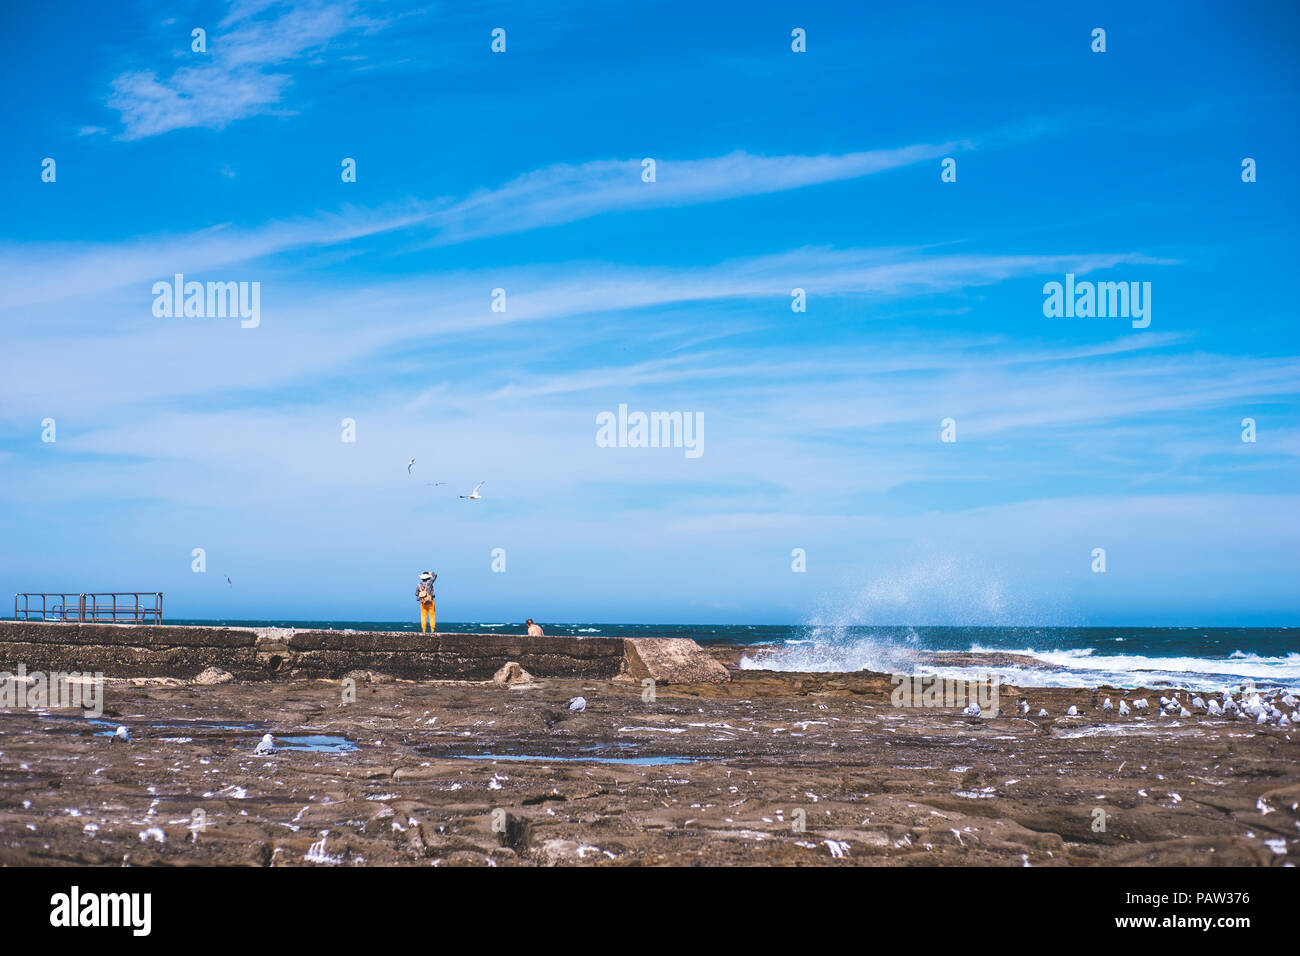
<point x="534" y="630"/>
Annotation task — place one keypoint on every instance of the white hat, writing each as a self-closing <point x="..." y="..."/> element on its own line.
<point x="425" y="575"/>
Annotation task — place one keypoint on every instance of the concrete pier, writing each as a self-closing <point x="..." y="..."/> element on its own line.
<point x="134" y="650"/>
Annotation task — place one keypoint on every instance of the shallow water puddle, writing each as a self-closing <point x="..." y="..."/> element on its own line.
<point x="316" y="743"/>
<point x="311" y="743"/>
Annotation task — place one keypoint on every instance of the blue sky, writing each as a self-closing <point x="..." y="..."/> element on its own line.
<point x="775" y="170"/>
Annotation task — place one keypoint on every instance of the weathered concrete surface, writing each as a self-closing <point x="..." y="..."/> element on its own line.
<point x="133" y="650"/>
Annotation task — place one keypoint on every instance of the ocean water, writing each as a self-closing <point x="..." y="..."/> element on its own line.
<point x="1198" y="658"/>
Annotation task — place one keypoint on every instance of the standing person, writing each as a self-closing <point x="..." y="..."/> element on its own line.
<point x="534" y="630"/>
<point x="424" y="593"/>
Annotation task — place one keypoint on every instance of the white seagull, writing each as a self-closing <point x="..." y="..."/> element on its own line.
<point x="266" y="745"/>
<point x="1123" y="708"/>
<point x="122" y="734"/>
<point x="972" y="711"/>
<point x="1107" y="705"/>
<point x="1042" y="712"/>
<point x="1197" y="703"/>
<point x="1212" y="709"/>
<point x="1141" y="704"/>
<point x="1184" y="712"/>
<point x="1024" y="706"/>
<point x="577" y="704"/>
<point x="474" y="495"/>
<point x="1072" y="712"/>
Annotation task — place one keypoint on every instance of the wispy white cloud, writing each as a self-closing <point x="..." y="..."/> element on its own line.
<point x="232" y="80"/>
<point x="38" y="272"/>
<point x="565" y="193"/>
<point x="309" y="330"/>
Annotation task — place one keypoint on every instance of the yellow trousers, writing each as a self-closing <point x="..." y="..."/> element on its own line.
<point x="427" y="615"/>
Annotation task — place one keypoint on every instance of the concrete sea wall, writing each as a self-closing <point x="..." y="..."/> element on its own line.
<point x="136" y="650"/>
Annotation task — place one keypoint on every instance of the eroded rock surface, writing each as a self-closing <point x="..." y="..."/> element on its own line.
<point x="775" y="768"/>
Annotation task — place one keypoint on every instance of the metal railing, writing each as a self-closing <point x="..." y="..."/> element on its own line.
<point x="100" y="606"/>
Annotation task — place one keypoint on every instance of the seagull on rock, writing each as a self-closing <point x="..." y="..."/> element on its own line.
<point x="1042" y="712"/>
<point x="973" y="710"/>
<point x="1198" y="704"/>
<point x="577" y="704"/>
<point x="1123" y="708"/>
<point x="266" y="745"/>
<point x="1072" y="712"/>
<point x="1212" y="709"/>
<point x="1107" y="705"/>
<point x="1024" y="705"/>
<point x="122" y="734"/>
<point x="1184" y="712"/>
<point x="1141" y="704"/>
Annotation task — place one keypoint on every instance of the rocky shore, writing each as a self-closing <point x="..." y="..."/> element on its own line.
<point x="766" y="768"/>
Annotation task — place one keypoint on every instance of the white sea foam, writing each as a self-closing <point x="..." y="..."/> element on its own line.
<point x="1076" y="667"/>
<point x="851" y="636"/>
<point x="1064" y="667"/>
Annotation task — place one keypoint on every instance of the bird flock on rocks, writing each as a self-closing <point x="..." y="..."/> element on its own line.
<point x="1276" y="707"/>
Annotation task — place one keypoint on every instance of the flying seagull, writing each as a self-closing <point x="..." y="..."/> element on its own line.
<point x="409" y="464"/>
<point x="435" y="484"/>
<point x="474" y="495"/>
<point x="228" y="581"/>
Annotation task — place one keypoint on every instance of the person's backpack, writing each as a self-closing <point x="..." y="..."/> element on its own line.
<point x="425" y="591"/>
